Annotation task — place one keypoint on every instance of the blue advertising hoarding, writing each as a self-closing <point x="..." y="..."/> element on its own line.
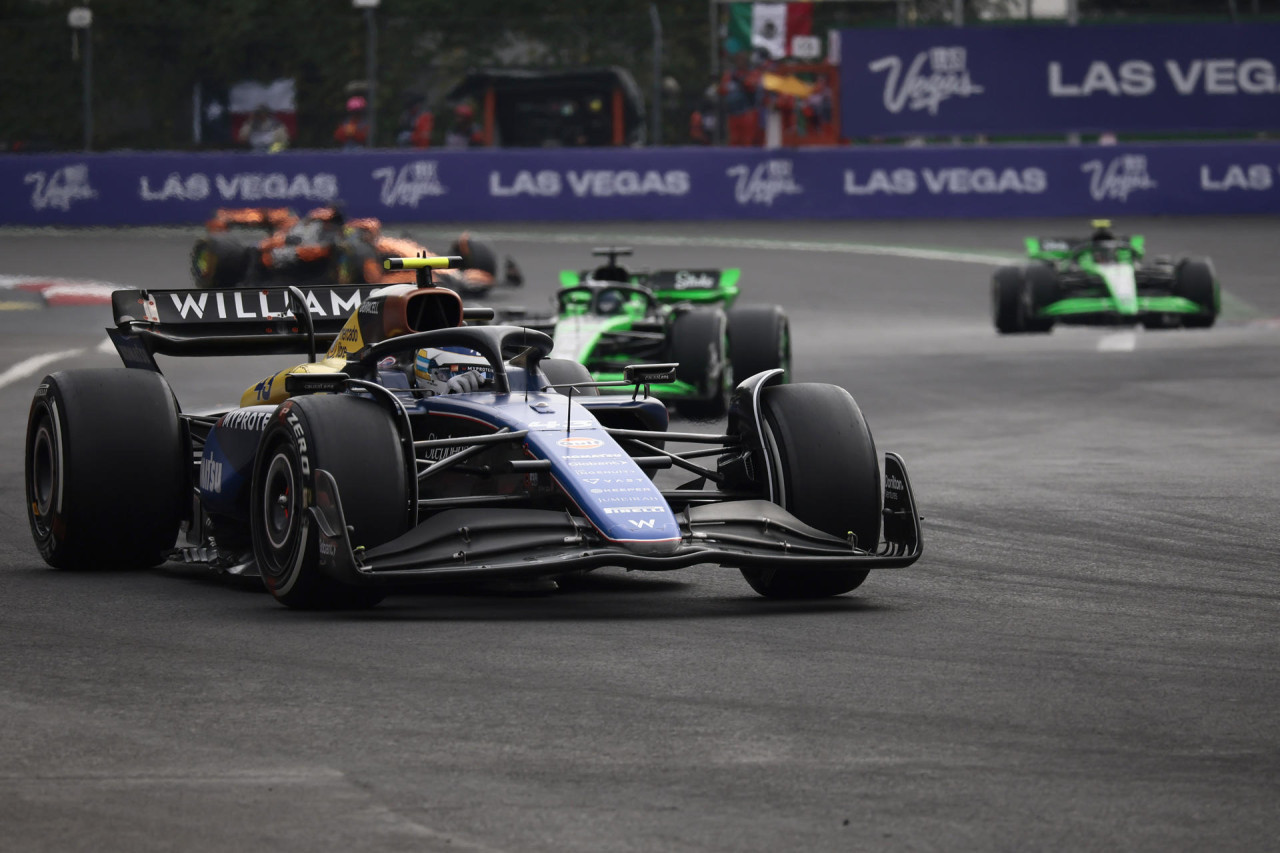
<point x="1035" y="79"/>
<point x="651" y="184"/>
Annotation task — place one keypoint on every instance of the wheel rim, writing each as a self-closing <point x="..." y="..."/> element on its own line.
<point x="280" y="502"/>
<point x="45" y="469"/>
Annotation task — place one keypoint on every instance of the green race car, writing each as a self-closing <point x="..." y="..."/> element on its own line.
<point x="1102" y="280"/>
<point x="609" y="317"/>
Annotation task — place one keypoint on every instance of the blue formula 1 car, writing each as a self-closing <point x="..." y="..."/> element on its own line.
<point x="421" y="449"/>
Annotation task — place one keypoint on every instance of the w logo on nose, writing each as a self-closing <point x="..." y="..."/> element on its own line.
<point x="639" y="523"/>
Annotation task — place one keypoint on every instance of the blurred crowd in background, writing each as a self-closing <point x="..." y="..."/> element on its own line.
<point x="270" y="75"/>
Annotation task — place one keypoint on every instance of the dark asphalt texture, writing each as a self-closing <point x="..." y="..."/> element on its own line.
<point x="1086" y="657"/>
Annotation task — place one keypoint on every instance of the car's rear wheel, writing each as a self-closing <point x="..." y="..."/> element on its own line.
<point x="106" y="472"/>
<point x="355" y="262"/>
<point x="759" y="340"/>
<point x="700" y="345"/>
<point x="355" y="441"/>
<point x="826" y="473"/>
<point x="564" y="371"/>
<point x="219" y="261"/>
<point x="1195" y="281"/>
<point x="1007" y="300"/>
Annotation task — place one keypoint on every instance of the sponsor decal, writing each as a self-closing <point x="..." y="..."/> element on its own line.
<point x="211" y="476"/>
<point x="554" y="425"/>
<point x="613" y="489"/>
<point x="259" y="305"/>
<point x="621" y="510"/>
<point x="1137" y="78"/>
<point x="594" y="480"/>
<point x="763" y="183"/>
<point x="892" y="482"/>
<point x="408" y="185"/>
<point x="58" y="189"/>
<point x="1116" y="179"/>
<point x="242" y="186"/>
<point x="1255" y="177"/>
<point x="590" y="183"/>
<point x="299" y="440"/>
<point x="255" y="421"/>
<point x="686" y="280"/>
<point x="951" y="181"/>
<point x="639" y="523"/>
<point x="585" y="443"/>
<point x="916" y="90"/>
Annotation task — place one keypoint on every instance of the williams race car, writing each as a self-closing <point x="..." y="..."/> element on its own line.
<point x="420" y="449"/>
<point x="609" y="317"/>
<point x="257" y="246"/>
<point x="1102" y="280"/>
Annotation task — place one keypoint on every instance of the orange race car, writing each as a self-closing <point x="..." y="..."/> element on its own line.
<point x="324" y="247"/>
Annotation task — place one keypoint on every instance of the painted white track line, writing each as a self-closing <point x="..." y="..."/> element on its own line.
<point x="1118" y="342"/>
<point x="30" y="366"/>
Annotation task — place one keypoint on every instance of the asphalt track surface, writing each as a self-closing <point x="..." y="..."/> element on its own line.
<point x="1086" y="658"/>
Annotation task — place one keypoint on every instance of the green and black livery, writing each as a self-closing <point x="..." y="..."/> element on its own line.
<point x="1102" y="280"/>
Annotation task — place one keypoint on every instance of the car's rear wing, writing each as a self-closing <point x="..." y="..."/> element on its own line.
<point x="240" y="321"/>
<point x="1061" y="248"/>
<point x="675" y="285"/>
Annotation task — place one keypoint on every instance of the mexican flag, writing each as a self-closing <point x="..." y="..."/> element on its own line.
<point x="769" y="26"/>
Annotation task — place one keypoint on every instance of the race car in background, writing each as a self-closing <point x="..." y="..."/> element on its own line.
<point x="609" y="317"/>
<point x="1102" y="280"/>
<point x="256" y="246"/>
<point x="364" y="469"/>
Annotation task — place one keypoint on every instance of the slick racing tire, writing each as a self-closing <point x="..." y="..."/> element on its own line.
<point x="564" y="371"/>
<point x="1195" y="281"/>
<point x="219" y="261"/>
<point x="827" y="474"/>
<point x="106" y="470"/>
<point x="356" y="262"/>
<point x="759" y="340"/>
<point x="475" y="254"/>
<point x="1043" y="289"/>
<point x="356" y="441"/>
<point x="700" y="345"/>
<point x="1008" y="288"/>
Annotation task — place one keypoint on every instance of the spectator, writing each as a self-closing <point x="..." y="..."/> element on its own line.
<point x="354" y="130"/>
<point x="264" y="132"/>
<point x="416" y="124"/>
<point x="739" y="87"/>
<point x="463" y="133"/>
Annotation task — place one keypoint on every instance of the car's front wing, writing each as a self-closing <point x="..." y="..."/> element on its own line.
<point x="525" y="543"/>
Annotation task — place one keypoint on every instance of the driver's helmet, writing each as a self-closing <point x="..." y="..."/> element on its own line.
<point x="1102" y="230"/>
<point x="433" y="367"/>
<point x="610" y="301"/>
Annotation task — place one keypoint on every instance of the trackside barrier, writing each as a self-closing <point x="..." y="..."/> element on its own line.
<point x="586" y="185"/>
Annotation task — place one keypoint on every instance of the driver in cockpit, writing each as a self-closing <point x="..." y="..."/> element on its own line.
<point x="451" y="370"/>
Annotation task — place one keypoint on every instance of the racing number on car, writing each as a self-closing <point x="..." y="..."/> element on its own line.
<point x="263" y="388"/>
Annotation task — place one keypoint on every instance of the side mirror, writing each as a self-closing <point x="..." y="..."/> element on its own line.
<point x="649" y="374"/>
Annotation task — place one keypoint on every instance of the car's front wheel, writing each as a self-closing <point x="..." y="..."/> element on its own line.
<point x="357" y="443"/>
<point x="826" y="473"/>
<point x="1195" y="281"/>
<point x="759" y="340"/>
<point x="700" y="344"/>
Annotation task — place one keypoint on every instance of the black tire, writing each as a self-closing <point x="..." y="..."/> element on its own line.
<point x="1195" y="281"/>
<point x="354" y="440"/>
<point x="106" y="469"/>
<point x="355" y="262"/>
<point x="699" y="342"/>
<point x="564" y="371"/>
<point x="827" y="474"/>
<point x="1008" y="295"/>
<point x="219" y="261"/>
<point x="759" y="339"/>
<point x="475" y="254"/>
<point x="1043" y="289"/>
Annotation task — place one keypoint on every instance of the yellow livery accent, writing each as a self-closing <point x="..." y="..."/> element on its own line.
<point x="438" y="263"/>
<point x="270" y="391"/>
